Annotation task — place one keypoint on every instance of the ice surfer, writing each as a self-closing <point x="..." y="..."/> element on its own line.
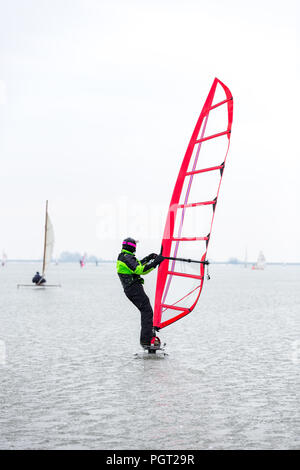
<point x="129" y="270"/>
<point x="38" y="279"/>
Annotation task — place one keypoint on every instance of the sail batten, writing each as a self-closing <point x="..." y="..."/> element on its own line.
<point x="213" y="168"/>
<point x="199" y="180"/>
<point x="212" y="136"/>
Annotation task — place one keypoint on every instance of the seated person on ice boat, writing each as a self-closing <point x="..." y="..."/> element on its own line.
<point x="38" y="279"/>
<point x="129" y="270"/>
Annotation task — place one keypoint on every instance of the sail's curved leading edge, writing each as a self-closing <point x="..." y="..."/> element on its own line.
<point x="191" y="212"/>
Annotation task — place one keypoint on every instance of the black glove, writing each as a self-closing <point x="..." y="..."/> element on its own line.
<point x="158" y="259"/>
<point x="152" y="256"/>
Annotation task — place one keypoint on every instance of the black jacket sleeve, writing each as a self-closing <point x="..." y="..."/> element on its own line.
<point x="148" y="258"/>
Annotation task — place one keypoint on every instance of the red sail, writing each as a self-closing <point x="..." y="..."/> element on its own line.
<point x="191" y="212"/>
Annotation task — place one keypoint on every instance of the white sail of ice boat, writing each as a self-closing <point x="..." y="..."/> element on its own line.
<point x="4" y="259"/>
<point x="48" y="242"/>
<point x="48" y="251"/>
<point x="261" y="262"/>
<point x="246" y="259"/>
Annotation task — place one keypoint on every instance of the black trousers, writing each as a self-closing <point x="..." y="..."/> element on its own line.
<point x="137" y="296"/>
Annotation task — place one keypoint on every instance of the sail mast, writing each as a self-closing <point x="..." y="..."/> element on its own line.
<point x="45" y="239"/>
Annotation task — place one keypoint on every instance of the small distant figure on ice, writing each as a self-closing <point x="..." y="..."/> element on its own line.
<point x="129" y="270"/>
<point x="38" y="279"/>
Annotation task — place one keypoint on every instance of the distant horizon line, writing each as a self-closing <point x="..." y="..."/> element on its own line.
<point x="100" y="260"/>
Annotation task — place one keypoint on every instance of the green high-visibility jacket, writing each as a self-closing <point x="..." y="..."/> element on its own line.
<point x="130" y="269"/>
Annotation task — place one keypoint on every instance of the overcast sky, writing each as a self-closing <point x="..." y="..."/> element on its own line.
<point x="98" y="100"/>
